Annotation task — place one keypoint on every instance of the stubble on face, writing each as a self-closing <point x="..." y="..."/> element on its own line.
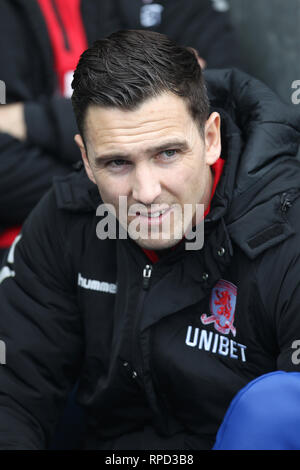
<point x="149" y="178"/>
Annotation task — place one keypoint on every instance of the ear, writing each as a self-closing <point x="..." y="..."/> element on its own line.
<point x="213" y="138"/>
<point x="80" y="143"/>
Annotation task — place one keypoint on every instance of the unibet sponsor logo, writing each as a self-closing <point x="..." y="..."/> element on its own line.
<point x="214" y="343"/>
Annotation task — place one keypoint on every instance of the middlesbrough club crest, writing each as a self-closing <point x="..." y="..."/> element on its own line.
<point x="222" y="307"/>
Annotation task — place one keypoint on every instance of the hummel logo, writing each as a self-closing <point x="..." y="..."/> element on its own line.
<point x="92" y="284"/>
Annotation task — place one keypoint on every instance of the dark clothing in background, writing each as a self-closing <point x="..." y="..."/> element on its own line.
<point x="153" y="373"/>
<point x="27" y="168"/>
<point x="193" y="23"/>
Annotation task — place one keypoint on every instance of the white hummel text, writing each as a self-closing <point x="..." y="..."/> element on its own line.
<point x="100" y="286"/>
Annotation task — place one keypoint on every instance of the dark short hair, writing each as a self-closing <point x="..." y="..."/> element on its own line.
<point x="129" y="66"/>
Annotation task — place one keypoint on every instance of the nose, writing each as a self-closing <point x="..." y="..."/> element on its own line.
<point x="146" y="185"/>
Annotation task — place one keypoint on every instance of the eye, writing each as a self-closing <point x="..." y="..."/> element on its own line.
<point x="168" y="154"/>
<point x="117" y="164"/>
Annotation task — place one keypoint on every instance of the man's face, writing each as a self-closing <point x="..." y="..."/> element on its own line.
<point x="156" y="157"/>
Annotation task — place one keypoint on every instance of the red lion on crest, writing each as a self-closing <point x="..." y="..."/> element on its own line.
<point x="224" y="302"/>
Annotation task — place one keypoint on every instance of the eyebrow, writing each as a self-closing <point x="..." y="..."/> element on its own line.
<point x="171" y="144"/>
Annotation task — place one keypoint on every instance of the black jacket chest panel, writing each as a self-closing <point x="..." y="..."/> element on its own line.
<point x="140" y="361"/>
<point x="197" y="368"/>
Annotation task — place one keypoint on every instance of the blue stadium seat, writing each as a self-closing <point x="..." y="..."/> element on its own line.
<point x="264" y="415"/>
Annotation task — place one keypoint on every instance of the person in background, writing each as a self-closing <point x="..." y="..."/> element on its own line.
<point x="204" y="25"/>
<point x="40" y="44"/>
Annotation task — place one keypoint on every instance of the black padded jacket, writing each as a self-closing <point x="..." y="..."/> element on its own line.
<point x="157" y="362"/>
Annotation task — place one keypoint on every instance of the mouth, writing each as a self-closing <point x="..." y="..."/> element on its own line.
<point x="154" y="218"/>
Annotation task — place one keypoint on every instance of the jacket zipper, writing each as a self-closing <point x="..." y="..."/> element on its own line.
<point x="287" y="200"/>
<point x="136" y="353"/>
<point x="147" y="272"/>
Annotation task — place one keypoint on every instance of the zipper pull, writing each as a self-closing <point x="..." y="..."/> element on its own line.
<point x="147" y="276"/>
<point x="285" y="202"/>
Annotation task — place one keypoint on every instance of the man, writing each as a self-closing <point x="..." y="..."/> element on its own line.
<point x="160" y="336"/>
